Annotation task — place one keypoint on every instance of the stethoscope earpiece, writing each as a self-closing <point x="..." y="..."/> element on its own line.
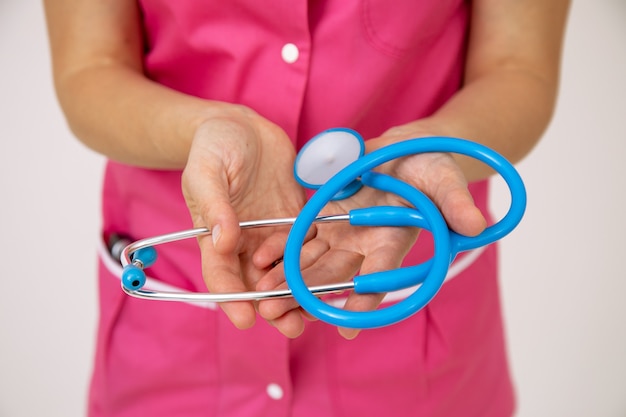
<point x="133" y="275"/>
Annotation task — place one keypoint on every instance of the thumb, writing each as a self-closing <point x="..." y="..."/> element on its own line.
<point x="208" y="199"/>
<point x="458" y="208"/>
<point x="220" y="218"/>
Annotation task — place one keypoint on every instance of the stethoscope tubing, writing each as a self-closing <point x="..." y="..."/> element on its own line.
<point x="447" y="243"/>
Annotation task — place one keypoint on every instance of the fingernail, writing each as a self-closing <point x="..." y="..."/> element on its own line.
<point x="216" y="233"/>
<point x="348" y="334"/>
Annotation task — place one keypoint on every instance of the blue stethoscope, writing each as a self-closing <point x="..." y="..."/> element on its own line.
<point x="334" y="164"/>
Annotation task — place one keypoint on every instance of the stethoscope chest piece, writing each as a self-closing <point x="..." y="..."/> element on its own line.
<point x="325" y="155"/>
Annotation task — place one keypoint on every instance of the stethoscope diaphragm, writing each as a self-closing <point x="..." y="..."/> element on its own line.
<point x="325" y="155"/>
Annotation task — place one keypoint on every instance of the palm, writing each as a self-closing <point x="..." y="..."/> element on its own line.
<point x="238" y="171"/>
<point x="338" y="252"/>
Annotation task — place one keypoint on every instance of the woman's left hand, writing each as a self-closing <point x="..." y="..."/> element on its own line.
<point x="337" y="252"/>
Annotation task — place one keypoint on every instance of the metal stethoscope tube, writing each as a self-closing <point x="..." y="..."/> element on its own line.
<point x="149" y="243"/>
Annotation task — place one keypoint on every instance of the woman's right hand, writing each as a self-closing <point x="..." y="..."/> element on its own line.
<point x="240" y="167"/>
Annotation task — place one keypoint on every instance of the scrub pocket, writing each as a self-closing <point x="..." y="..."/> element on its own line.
<point x="152" y="358"/>
<point x="406" y="25"/>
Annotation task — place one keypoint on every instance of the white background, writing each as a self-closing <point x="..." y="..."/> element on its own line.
<point x="563" y="277"/>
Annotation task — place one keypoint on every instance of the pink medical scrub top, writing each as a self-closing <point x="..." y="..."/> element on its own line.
<point x="307" y="66"/>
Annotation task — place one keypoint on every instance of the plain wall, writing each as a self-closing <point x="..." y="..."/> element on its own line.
<point x="563" y="283"/>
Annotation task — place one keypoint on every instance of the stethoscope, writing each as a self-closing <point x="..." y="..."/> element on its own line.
<point x="333" y="163"/>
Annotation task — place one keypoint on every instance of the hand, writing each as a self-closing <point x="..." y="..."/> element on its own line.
<point x="338" y="252"/>
<point x="239" y="168"/>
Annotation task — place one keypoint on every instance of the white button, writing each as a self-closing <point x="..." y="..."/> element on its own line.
<point x="290" y="53"/>
<point x="275" y="391"/>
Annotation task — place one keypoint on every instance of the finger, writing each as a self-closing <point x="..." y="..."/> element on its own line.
<point x="458" y="208"/>
<point x="222" y="274"/>
<point x="383" y="258"/>
<point x="290" y="324"/>
<point x="270" y="250"/>
<point x="206" y="190"/>
<point x="218" y="215"/>
<point x="311" y="251"/>
<point x="275" y="279"/>
<point x="273" y="248"/>
<point x="333" y="266"/>
<point x="361" y="303"/>
<point x="442" y="179"/>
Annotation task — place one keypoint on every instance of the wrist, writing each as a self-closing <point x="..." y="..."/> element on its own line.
<point x="422" y="128"/>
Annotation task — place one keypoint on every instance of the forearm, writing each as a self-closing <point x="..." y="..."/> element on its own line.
<point x="507" y="111"/>
<point x="510" y="84"/>
<point x="126" y="117"/>
<point x="97" y="56"/>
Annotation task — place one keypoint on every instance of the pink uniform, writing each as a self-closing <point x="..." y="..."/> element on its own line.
<point x="307" y="66"/>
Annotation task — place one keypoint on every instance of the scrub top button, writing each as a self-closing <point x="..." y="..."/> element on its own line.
<point x="290" y="53"/>
<point x="275" y="391"/>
